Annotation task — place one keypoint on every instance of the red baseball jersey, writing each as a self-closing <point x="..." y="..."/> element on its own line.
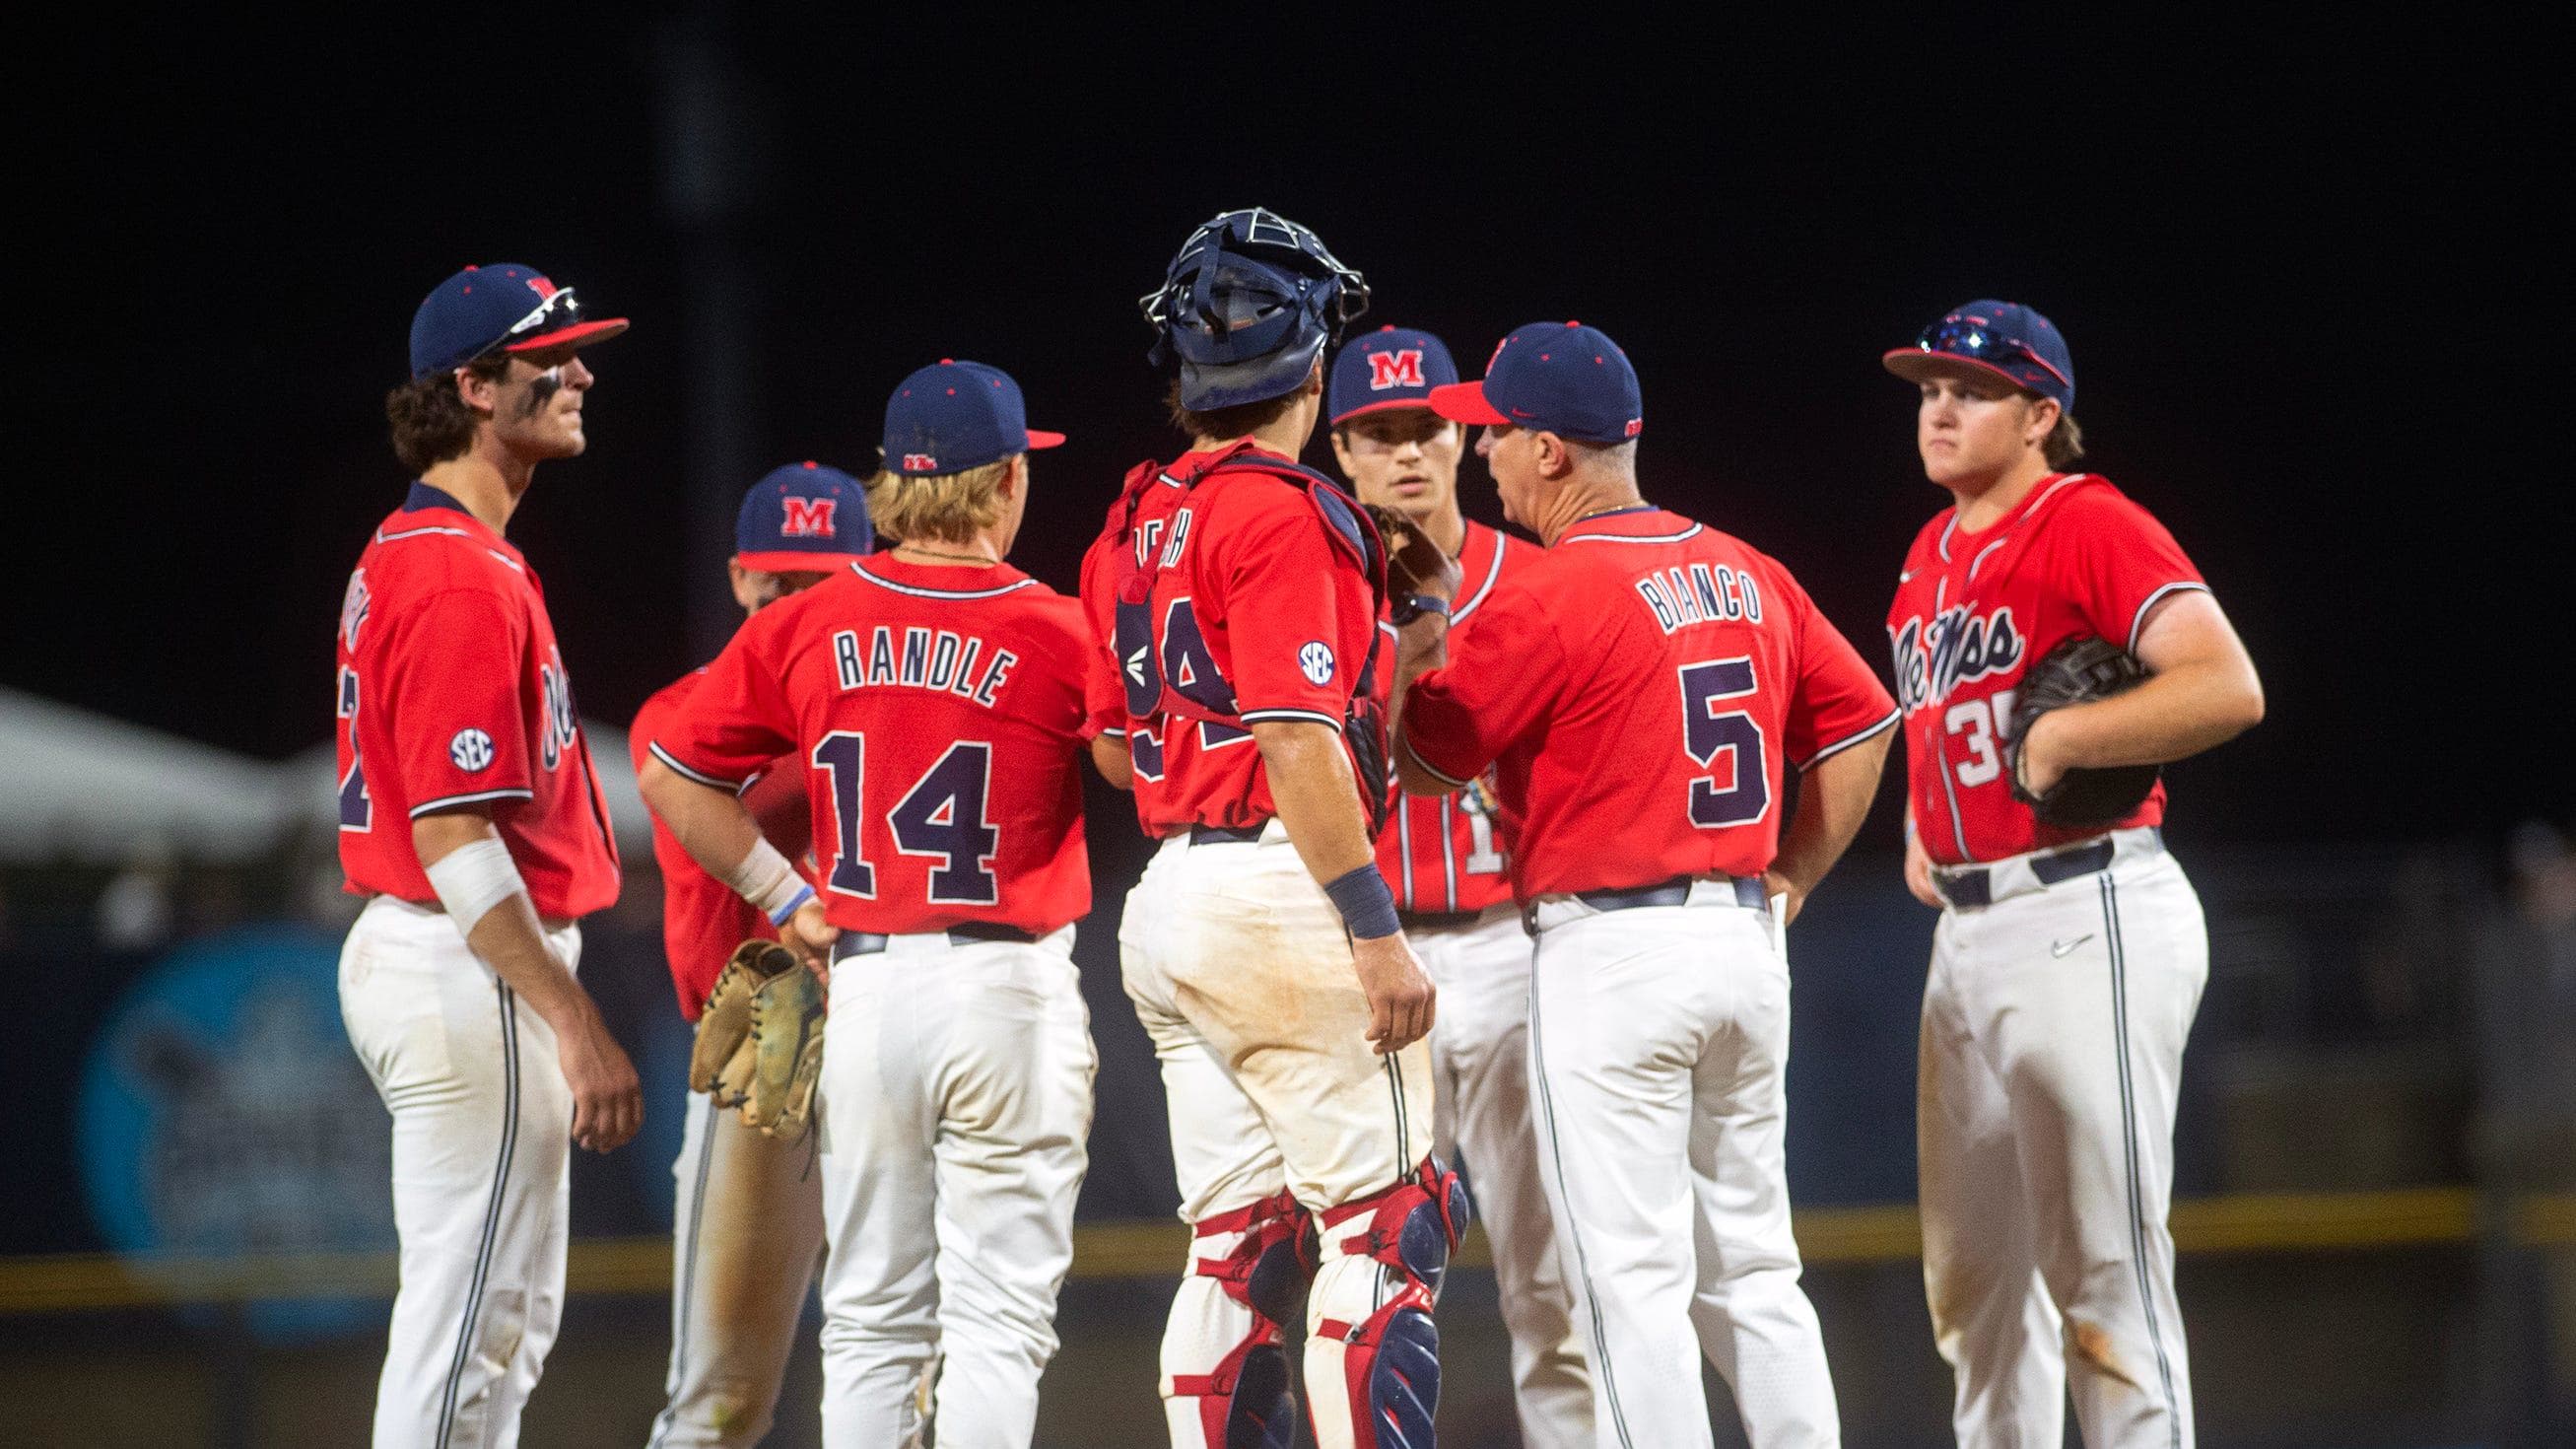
<point x="452" y="692"/>
<point x="1973" y="610"/>
<point x="702" y="919"/>
<point x="938" y="712"/>
<point x="1444" y="852"/>
<point x="1639" y="689"/>
<point x="1255" y="611"/>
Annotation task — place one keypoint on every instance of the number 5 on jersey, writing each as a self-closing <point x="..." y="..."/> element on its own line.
<point x="1740" y="791"/>
<point x="943" y="817"/>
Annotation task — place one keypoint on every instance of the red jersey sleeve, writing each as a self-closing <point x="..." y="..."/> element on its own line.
<point x="1502" y="677"/>
<point x="1104" y="698"/>
<point x="1838" y="701"/>
<point x="460" y="737"/>
<point x="738" y="719"/>
<point x="1293" y="601"/>
<point x="2116" y="562"/>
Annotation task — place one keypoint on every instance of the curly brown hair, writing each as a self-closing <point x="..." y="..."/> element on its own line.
<point x="430" y="420"/>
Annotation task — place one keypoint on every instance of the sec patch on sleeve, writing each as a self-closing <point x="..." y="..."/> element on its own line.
<point x="471" y="749"/>
<point x="1316" y="661"/>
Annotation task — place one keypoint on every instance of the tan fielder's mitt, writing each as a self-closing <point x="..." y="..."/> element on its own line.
<point x="1415" y="566"/>
<point x="760" y="1041"/>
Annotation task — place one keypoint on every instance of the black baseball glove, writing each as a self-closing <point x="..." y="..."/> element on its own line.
<point x="2079" y="670"/>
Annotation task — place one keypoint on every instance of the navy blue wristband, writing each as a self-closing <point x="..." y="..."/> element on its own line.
<point x="1367" y="906"/>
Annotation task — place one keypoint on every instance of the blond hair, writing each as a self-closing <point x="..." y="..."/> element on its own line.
<point x="2064" y="443"/>
<point x="946" y="507"/>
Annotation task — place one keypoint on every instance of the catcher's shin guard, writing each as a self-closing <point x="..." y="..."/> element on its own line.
<point x="1260" y="1267"/>
<point x="1383" y="1259"/>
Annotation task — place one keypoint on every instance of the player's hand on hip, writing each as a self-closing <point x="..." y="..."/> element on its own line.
<point x="811" y="937"/>
<point x="1400" y="994"/>
<point x="1918" y="873"/>
<point x="607" y="1099"/>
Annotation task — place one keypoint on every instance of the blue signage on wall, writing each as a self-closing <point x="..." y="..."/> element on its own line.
<point x="223" y="1113"/>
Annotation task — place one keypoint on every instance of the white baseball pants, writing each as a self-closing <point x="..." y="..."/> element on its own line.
<point x="1240" y="971"/>
<point x="1480" y="1067"/>
<point x="1659" y="1039"/>
<point x="2053" y="1027"/>
<point x="954" y="1108"/>
<point x="481" y="1151"/>
<point x="746" y="1235"/>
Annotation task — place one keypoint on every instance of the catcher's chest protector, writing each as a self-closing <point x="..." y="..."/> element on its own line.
<point x="1163" y="657"/>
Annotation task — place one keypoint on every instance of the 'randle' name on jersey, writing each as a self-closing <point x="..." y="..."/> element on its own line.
<point x="1961" y="647"/>
<point x="941" y="659"/>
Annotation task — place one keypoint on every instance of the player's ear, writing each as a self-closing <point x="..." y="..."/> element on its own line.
<point x="1555" y="460"/>
<point x="1015" y="477"/>
<point x="2039" y="419"/>
<point x="481" y="393"/>
<point x="1341" y="450"/>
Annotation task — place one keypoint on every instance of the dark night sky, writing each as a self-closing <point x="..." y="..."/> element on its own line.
<point x="2305" y="278"/>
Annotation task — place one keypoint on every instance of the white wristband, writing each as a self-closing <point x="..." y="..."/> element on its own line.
<point x="767" y="881"/>
<point x="472" y="879"/>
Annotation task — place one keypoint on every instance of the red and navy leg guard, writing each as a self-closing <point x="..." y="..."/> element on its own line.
<point x="1391" y="1359"/>
<point x="1248" y="1400"/>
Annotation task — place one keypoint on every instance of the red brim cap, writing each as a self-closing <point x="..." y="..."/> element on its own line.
<point x="796" y="561"/>
<point x="1914" y="365"/>
<point x="1391" y="405"/>
<point x="1041" y="438"/>
<point x="1465" y="401"/>
<point x="579" y="334"/>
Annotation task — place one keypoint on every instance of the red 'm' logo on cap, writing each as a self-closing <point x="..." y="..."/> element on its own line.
<point x="1395" y="369"/>
<point x="808" y="517"/>
<point x="541" y="287"/>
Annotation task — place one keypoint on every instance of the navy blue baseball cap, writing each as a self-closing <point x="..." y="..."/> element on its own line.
<point x="1557" y="377"/>
<point x="2005" y="339"/>
<point x="500" y="307"/>
<point x="803" y="518"/>
<point x="952" y="416"/>
<point x="1393" y="367"/>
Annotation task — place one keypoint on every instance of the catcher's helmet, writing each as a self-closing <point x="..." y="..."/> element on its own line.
<point x="1248" y="304"/>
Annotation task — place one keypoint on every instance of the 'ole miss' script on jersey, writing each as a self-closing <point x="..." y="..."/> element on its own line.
<point x="702" y="919"/>
<point x="1250" y="603"/>
<point x="452" y="692"/>
<point x="938" y="712"/>
<point x="1639" y="688"/>
<point x="1443" y="853"/>
<point x="1973" y="610"/>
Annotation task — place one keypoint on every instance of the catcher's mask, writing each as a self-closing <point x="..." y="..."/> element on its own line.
<point x="1247" y="306"/>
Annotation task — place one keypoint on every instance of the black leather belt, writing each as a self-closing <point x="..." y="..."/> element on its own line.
<point x="1974" y="886"/>
<point x="1437" y="920"/>
<point x="1748" y="894"/>
<point x="869" y="943"/>
<point x="1225" y="834"/>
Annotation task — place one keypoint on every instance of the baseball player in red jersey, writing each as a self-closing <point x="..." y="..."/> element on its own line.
<point x="1235" y="597"/>
<point x="471" y="819"/>
<point x="1640" y="690"/>
<point x="935" y="695"/>
<point x="2069" y="960"/>
<point x="1442" y="855"/>
<point x="747" y="1223"/>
